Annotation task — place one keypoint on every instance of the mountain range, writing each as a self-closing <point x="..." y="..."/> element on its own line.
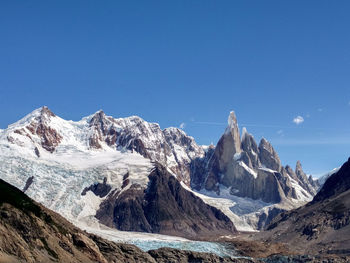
<point x="124" y="173"/>
<point x="103" y="173"/>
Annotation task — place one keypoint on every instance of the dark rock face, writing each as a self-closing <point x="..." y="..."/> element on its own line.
<point x="322" y="225"/>
<point x="199" y="168"/>
<point x="251" y="148"/>
<point x="50" y="138"/>
<point x="37" y="152"/>
<point x="98" y="189"/>
<point x="28" y="183"/>
<point x="266" y="218"/>
<point x="335" y="184"/>
<point x="101" y="131"/>
<point x="164" y="207"/>
<point x="268" y="156"/>
<point x="306" y="182"/>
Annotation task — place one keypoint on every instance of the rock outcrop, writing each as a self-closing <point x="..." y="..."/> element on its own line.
<point x="268" y="156"/>
<point x="39" y="131"/>
<point x="99" y="189"/>
<point x="307" y="182"/>
<point x="164" y="207"/>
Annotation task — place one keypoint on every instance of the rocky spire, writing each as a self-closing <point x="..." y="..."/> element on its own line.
<point x="102" y="130"/>
<point x="233" y="131"/>
<point x="268" y="156"/>
<point x="305" y="182"/>
<point x="99" y="120"/>
<point x="291" y="172"/>
<point x="42" y="115"/>
<point x="300" y="173"/>
<point x="228" y="145"/>
<point x="250" y="147"/>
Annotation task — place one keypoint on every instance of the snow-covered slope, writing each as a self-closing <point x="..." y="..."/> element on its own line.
<point x="42" y="132"/>
<point x="59" y="180"/>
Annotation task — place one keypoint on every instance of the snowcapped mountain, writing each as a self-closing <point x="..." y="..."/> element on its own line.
<point x="102" y="165"/>
<point x="43" y="132"/>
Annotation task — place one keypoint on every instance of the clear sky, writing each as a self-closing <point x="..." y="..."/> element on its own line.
<point x="188" y="62"/>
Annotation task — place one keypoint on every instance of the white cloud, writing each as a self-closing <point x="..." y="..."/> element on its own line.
<point x="298" y="120"/>
<point x="182" y="125"/>
<point x="319" y="110"/>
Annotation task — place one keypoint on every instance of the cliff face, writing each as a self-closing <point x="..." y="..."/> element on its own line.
<point x="163" y="207"/>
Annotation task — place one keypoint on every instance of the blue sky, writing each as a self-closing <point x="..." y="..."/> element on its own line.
<point x="188" y="62"/>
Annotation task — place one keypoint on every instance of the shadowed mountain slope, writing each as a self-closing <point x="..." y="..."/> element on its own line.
<point x="321" y="226"/>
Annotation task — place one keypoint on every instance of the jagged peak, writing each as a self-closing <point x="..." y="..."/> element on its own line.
<point x="232" y="125"/>
<point x="45" y="111"/>
<point x="298" y="164"/>
<point x="288" y="168"/>
<point x="174" y="130"/>
<point x="244" y="134"/>
<point x="100" y="111"/>
<point x="298" y="167"/>
<point x="232" y="120"/>
<point x="39" y="114"/>
<point x="133" y="118"/>
<point x="264" y="142"/>
<point x="97" y="117"/>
